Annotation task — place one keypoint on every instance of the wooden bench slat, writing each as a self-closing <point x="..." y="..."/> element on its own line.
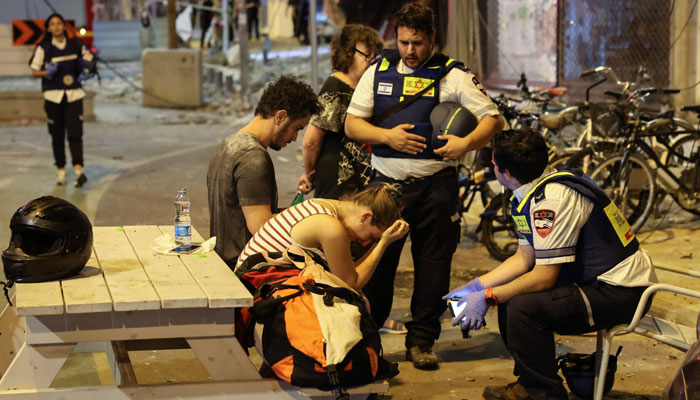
<point x="171" y="279"/>
<point x="126" y="279"/>
<point x="88" y="291"/>
<point x="44" y="298"/>
<point x="216" y="279"/>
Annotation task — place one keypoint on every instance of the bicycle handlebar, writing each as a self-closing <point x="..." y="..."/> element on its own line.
<point x="654" y="90"/>
<point x="588" y="72"/>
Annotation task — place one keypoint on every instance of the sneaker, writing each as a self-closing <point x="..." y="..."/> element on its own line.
<point x="80" y="180"/>
<point x="61" y="177"/>
<point x="512" y="391"/>
<point x="393" y="326"/>
<point x="422" y="357"/>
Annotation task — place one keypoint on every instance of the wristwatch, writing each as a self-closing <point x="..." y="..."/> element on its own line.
<point x="491" y="300"/>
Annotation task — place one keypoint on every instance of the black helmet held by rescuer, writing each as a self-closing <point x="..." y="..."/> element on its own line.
<point x="51" y="239"/>
<point x="451" y="119"/>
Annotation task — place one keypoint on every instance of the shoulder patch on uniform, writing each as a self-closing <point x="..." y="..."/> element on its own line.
<point x="543" y="221"/>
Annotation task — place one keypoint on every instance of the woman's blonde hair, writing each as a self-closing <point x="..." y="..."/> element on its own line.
<point x="382" y="200"/>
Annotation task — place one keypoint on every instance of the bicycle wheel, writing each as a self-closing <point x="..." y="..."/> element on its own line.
<point x="683" y="160"/>
<point x="630" y="184"/>
<point x="498" y="229"/>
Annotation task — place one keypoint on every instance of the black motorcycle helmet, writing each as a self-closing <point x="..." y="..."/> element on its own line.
<point x="51" y="239"/>
<point x="453" y="119"/>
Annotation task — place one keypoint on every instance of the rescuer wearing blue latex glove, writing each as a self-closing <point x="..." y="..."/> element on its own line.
<point x="59" y="60"/>
<point x="578" y="267"/>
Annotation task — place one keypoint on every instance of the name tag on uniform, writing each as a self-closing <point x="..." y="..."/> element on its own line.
<point x="413" y="85"/>
<point x="385" y="88"/>
<point x="622" y="227"/>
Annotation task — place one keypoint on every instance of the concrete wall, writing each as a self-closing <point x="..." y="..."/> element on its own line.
<point x="14" y="60"/>
<point x="29" y="104"/>
<point x="172" y="78"/>
<point x="685" y="58"/>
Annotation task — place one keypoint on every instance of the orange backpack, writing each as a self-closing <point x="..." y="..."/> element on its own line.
<point x="318" y="334"/>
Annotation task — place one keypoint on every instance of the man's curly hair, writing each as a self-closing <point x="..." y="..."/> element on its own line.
<point x="415" y="16"/>
<point x="289" y="94"/>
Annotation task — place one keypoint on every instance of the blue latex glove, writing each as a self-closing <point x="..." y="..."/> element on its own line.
<point x="51" y="69"/>
<point x="472" y="317"/>
<point x="472" y="286"/>
<point x="85" y="75"/>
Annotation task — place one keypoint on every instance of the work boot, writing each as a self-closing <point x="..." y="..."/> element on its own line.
<point x="80" y="180"/>
<point x="422" y="357"/>
<point x="512" y="391"/>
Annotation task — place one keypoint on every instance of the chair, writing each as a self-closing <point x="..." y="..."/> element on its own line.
<point x="605" y="336"/>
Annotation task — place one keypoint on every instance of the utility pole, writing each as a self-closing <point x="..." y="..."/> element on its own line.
<point x="224" y="23"/>
<point x="314" y="45"/>
<point x="243" y="52"/>
<point x="172" y="33"/>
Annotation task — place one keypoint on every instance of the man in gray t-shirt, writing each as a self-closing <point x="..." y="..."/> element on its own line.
<point x="241" y="182"/>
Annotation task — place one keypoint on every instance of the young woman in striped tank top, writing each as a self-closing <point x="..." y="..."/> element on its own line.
<point x="326" y="227"/>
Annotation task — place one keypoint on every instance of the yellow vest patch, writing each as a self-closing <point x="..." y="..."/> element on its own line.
<point x="622" y="228"/>
<point x="413" y="85"/>
<point x="521" y="224"/>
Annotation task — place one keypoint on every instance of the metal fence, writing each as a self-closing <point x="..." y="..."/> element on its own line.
<point x="553" y="41"/>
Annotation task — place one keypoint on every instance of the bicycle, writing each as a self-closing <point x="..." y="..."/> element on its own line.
<point x="631" y="176"/>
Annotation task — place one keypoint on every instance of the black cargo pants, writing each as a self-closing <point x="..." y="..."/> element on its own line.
<point x="430" y="208"/>
<point x="65" y="119"/>
<point x="528" y="322"/>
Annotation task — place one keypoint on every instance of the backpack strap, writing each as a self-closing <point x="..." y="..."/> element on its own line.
<point x="330" y="292"/>
<point x="334" y="380"/>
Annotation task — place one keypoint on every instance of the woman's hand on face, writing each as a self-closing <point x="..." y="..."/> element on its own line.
<point x="395" y="232"/>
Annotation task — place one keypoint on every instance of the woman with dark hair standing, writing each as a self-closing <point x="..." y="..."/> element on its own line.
<point x="333" y="163"/>
<point x="59" y="62"/>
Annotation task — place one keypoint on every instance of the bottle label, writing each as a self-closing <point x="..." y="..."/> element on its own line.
<point x="182" y="230"/>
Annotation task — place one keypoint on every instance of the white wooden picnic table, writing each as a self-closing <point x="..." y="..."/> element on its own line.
<point x="129" y="292"/>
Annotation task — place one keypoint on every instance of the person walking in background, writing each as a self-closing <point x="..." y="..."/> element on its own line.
<point x="205" y="17"/>
<point x="59" y="62"/>
<point x="333" y="163"/>
<point x="251" y="10"/>
<point x="241" y="185"/>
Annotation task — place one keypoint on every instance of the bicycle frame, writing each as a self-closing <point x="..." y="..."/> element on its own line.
<point x="639" y="145"/>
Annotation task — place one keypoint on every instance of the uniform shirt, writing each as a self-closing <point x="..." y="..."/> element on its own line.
<point x="571" y="211"/>
<point x="56" y="96"/>
<point x="457" y="86"/>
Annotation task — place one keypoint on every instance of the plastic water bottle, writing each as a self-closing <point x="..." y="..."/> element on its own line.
<point x="183" y="223"/>
<point x="298" y="198"/>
